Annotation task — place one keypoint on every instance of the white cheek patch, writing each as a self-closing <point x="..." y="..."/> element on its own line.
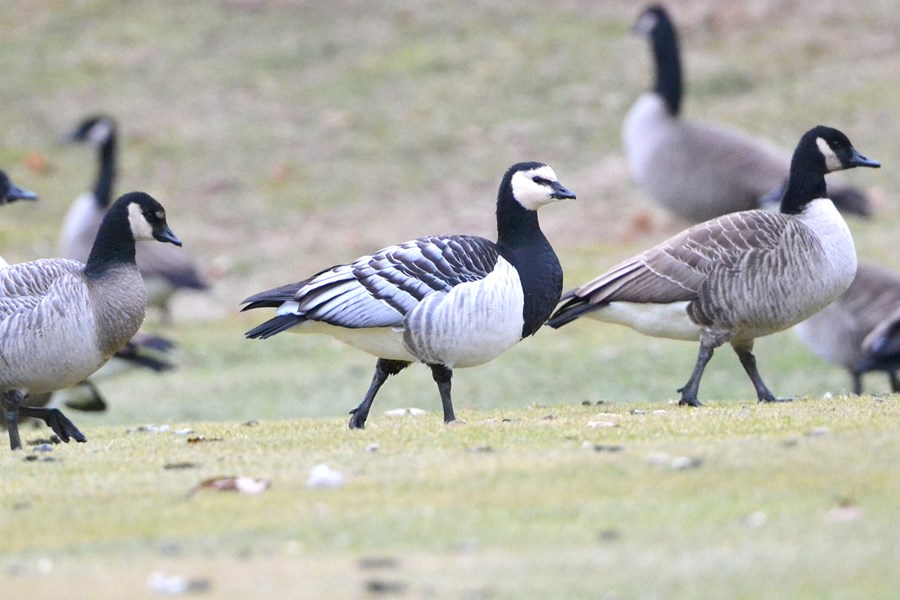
<point x="646" y="23"/>
<point x="140" y="228"/>
<point x="100" y="132"/>
<point x="533" y="195"/>
<point x="832" y="162"/>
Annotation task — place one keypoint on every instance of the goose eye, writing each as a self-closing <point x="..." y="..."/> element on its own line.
<point x="539" y="180"/>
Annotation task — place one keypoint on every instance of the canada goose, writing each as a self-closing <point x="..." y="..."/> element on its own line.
<point x="740" y="276"/>
<point x="446" y="301"/>
<point x="698" y="170"/>
<point x="165" y="269"/>
<point x="10" y="192"/>
<point x="61" y="320"/>
<point x="882" y="348"/>
<point x="837" y="333"/>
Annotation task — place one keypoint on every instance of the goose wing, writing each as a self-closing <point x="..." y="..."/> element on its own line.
<point x="882" y="346"/>
<point x="24" y="285"/>
<point x="679" y="269"/>
<point x="35" y="297"/>
<point x="379" y="289"/>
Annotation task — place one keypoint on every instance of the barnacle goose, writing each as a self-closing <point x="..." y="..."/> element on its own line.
<point x="740" y="276"/>
<point x="446" y="301"/>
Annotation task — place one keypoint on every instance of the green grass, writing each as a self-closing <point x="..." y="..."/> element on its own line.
<point x="284" y="137"/>
<point x="795" y="500"/>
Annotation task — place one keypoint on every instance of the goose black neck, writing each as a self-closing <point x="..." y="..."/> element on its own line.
<point x="668" y="64"/>
<point x="114" y="244"/>
<point x="805" y="183"/>
<point x="517" y="226"/>
<point x="522" y="243"/>
<point x="103" y="187"/>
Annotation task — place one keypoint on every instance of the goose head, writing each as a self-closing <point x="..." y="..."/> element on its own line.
<point x="835" y="150"/>
<point x="10" y="192"/>
<point x="146" y="218"/>
<point x="534" y="184"/>
<point x="653" y="16"/>
<point x="96" y="129"/>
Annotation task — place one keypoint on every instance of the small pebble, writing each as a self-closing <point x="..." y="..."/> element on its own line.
<point x="175" y="585"/>
<point x="323" y="476"/>
<point x="372" y="448"/>
<point x="44" y="448"/>
<point x="755" y="520"/>
<point x="817" y="431"/>
<point x="405" y="412"/>
<point x="596" y="424"/>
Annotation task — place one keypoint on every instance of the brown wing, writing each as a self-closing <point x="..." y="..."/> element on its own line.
<point x="680" y="268"/>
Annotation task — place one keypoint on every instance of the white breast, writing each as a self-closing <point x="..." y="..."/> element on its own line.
<point x="472" y="324"/>
<point x="644" y="130"/>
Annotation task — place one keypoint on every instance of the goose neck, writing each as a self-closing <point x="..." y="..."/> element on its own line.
<point x="667" y="59"/>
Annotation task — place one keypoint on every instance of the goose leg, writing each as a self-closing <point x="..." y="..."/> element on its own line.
<point x="748" y="361"/>
<point x="690" y="389"/>
<point x="64" y="429"/>
<point x="857" y="383"/>
<point x="384" y="368"/>
<point x="11" y="401"/>
<point x="895" y="381"/>
<point x="442" y="376"/>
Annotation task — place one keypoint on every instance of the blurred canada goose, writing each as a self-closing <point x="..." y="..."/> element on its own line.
<point x="697" y="170"/>
<point x="740" y="276"/>
<point x="882" y="348"/>
<point x="838" y="333"/>
<point x="10" y="192"/>
<point x="165" y="269"/>
<point x="446" y="301"/>
<point x="61" y="320"/>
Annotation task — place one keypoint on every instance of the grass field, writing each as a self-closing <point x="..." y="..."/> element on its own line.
<point x="285" y="136"/>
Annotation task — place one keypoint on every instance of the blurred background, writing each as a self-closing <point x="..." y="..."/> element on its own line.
<point x="286" y="136"/>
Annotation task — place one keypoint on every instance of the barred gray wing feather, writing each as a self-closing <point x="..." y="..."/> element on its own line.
<point x="679" y="268"/>
<point x="33" y="279"/>
<point x="380" y="289"/>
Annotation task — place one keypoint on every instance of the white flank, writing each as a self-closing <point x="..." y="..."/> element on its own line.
<point x="658" y="320"/>
<point x="381" y="342"/>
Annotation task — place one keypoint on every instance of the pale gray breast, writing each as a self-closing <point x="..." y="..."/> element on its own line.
<point x="117" y="300"/>
<point x="47" y="340"/>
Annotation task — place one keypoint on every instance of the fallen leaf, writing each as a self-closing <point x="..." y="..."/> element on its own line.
<point x="245" y="485"/>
